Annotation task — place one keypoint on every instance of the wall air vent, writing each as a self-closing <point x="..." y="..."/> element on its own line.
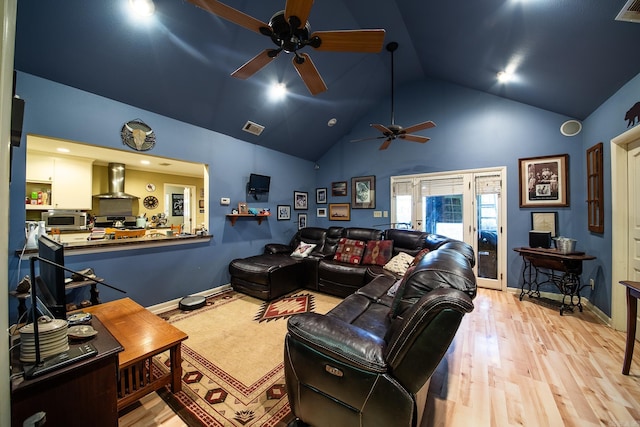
<point x="630" y="12"/>
<point x="253" y="128"/>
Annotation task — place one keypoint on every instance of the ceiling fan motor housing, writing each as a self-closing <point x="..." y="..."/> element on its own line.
<point x="287" y="38"/>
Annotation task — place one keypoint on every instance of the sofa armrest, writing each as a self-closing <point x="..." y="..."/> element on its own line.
<point x="277" y="248"/>
<point x="339" y="340"/>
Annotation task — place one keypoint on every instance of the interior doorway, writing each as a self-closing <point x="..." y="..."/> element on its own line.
<point x="623" y="170"/>
<point x="180" y="208"/>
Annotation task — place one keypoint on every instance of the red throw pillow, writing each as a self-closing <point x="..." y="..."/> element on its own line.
<point x="349" y="250"/>
<point x="378" y="252"/>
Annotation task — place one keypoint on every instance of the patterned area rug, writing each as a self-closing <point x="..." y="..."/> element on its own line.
<point x="232" y="367"/>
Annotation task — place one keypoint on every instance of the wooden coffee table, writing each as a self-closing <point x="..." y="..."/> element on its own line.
<point x="143" y="336"/>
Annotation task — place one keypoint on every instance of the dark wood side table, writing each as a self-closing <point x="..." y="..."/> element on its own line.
<point x="81" y="394"/>
<point x="633" y="293"/>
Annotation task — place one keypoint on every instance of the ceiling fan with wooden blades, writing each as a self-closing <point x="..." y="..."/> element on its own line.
<point x="290" y="31"/>
<point x="394" y="131"/>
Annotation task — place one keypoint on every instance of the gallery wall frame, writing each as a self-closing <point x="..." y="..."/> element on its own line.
<point x="545" y="221"/>
<point x="339" y="212"/>
<point x="363" y="192"/>
<point x="302" y="220"/>
<point x="284" y="212"/>
<point x="339" y="188"/>
<point x="321" y="212"/>
<point x="300" y="200"/>
<point x="321" y="196"/>
<point x="544" y="181"/>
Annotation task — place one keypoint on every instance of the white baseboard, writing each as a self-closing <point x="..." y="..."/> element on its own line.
<point x="585" y="303"/>
<point x="173" y="304"/>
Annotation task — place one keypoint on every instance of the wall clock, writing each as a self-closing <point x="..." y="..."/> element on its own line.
<point x="150" y="202"/>
<point x="151" y="187"/>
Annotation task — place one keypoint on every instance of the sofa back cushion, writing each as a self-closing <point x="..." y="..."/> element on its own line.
<point x="315" y="235"/>
<point x="358" y="233"/>
<point x="409" y="241"/>
<point x="331" y="240"/>
<point x="444" y="268"/>
<point x="349" y="251"/>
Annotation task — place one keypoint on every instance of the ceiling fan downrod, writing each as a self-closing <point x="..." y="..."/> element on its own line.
<point x="391" y="47"/>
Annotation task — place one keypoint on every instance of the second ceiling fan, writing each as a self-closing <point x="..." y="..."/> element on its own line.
<point x="394" y="131"/>
<point x="290" y="31"/>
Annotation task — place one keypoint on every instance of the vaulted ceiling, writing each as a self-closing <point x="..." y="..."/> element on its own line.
<point x="568" y="56"/>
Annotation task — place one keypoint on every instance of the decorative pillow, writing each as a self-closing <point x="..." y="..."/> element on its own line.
<point x="349" y="250"/>
<point x="399" y="263"/>
<point x="419" y="256"/>
<point x="303" y="250"/>
<point x="378" y="252"/>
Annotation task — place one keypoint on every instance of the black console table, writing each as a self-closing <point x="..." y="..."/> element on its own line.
<point x="543" y="266"/>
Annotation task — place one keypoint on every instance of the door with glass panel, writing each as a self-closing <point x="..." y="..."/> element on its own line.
<point x="466" y="206"/>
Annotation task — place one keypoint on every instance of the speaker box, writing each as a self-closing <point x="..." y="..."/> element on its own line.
<point x="570" y="128"/>
<point x="17" y="113"/>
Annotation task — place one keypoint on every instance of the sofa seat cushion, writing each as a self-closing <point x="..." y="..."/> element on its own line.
<point x="377" y="289"/>
<point x="342" y="273"/>
<point x="258" y="269"/>
<point x="360" y="311"/>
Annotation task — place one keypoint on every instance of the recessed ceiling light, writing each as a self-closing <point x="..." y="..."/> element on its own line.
<point x="142" y="7"/>
<point x="504" y="76"/>
<point x="63" y="150"/>
<point x="277" y="91"/>
<point x="145" y="162"/>
<point x="332" y="122"/>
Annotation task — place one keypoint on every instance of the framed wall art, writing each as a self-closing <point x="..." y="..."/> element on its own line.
<point x="321" y="212"/>
<point x="243" y="208"/>
<point x="284" y="212"/>
<point x="595" y="189"/>
<point x="339" y="188"/>
<point x="545" y="221"/>
<point x="363" y="192"/>
<point x="302" y="220"/>
<point x="300" y="200"/>
<point x="321" y="195"/>
<point x="339" y="212"/>
<point x="544" y="181"/>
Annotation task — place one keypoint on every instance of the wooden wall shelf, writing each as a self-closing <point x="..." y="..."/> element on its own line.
<point x="234" y="217"/>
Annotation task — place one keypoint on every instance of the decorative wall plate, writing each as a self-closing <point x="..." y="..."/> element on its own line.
<point x="150" y="202"/>
<point x="138" y="135"/>
<point x="151" y="187"/>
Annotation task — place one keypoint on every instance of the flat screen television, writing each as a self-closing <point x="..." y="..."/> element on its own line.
<point x="259" y="184"/>
<point x="51" y="283"/>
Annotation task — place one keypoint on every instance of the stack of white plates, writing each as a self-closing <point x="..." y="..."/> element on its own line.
<point x="52" y="335"/>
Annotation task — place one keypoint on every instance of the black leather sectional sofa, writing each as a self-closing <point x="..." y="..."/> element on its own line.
<point x="275" y="272"/>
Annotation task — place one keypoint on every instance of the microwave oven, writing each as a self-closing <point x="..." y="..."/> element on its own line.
<point x="65" y="220"/>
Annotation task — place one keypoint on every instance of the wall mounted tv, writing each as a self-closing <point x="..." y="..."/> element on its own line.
<point x="258" y="186"/>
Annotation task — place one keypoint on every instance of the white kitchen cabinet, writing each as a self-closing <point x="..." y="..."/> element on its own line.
<point x="68" y="178"/>
<point x="71" y="187"/>
<point x="39" y="167"/>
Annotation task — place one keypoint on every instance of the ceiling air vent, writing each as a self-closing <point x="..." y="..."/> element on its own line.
<point x="630" y="12"/>
<point x="253" y="128"/>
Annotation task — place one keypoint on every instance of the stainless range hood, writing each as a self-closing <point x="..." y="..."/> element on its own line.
<point x="116" y="183"/>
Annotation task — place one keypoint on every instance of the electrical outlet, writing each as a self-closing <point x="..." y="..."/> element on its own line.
<point x="377" y="214"/>
<point x="592" y="283"/>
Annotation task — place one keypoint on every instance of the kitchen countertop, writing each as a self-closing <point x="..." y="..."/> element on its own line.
<point x="105" y="245"/>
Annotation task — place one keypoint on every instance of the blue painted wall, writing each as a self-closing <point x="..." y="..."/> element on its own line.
<point x="474" y="130"/>
<point x="477" y="130"/>
<point x="151" y="276"/>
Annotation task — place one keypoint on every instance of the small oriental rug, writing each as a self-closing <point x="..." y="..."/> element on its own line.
<point x="232" y="367"/>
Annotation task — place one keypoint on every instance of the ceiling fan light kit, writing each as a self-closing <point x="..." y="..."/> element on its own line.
<point x="394" y="131"/>
<point x="290" y="31"/>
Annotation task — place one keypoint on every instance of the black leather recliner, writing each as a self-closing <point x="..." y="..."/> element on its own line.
<point x="369" y="360"/>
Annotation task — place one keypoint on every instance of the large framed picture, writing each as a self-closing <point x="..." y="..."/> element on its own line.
<point x="300" y="200"/>
<point x="544" y="181"/>
<point x="339" y="212"/>
<point x="321" y="196"/>
<point x="363" y="192"/>
<point x="545" y="221"/>
<point x="284" y="212"/>
<point x="339" y="188"/>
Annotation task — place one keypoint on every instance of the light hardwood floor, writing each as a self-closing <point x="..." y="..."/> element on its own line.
<point x="514" y="363"/>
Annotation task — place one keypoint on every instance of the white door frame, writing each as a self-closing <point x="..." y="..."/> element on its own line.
<point x="620" y="225"/>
